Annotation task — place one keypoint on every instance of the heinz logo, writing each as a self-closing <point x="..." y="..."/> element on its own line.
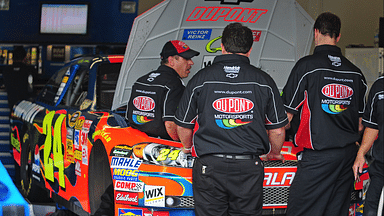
<point x="232" y="105"/>
<point x="237" y="14"/>
<point x="337" y="91"/>
<point x="144" y="103"/>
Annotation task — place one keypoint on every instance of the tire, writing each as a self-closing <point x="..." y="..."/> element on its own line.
<point x="28" y="185"/>
<point x="99" y="175"/>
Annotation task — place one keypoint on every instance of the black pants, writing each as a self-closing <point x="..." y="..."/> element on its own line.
<point x="376" y="174"/>
<point x="323" y="183"/>
<point x="223" y="186"/>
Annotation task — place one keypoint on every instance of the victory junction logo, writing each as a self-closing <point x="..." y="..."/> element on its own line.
<point x="338" y="94"/>
<point x="235" y="110"/>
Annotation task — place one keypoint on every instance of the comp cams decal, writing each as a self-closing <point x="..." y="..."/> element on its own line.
<point x="235" y="112"/>
<point x="339" y="98"/>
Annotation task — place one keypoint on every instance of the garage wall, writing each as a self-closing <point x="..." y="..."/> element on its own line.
<point x="359" y="19"/>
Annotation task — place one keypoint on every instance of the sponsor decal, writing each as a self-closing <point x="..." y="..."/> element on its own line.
<point x="197" y="34"/>
<point x="79" y="124"/>
<point x="126" y="198"/>
<point x="154" y="196"/>
<point x="78" y="155"/>
<point x="129" y="186"/>
<point x="233" y="105"/>
<point x="70" y="151"/>
<point x="231" y="1"/>
<point x="73" y="118"/>
<point x="84" y="154"/>
<point x="207" y="61"/>
<point x="336" y="61"/>
<point x="125" y="163"/>
<point x="236" y="14"/>
<point x="256" y="35"/>
<point x="130" y="212"/>
<point x="36" y="164"/>
<point x="279" y="176"/>
<point x="103" y="134"/>
<point x="144" y="103"/>
<point x="121" y="151"/>
<point x="234" y="108"/>
<point x="126" y="174"/>
<point x="87" y="125"/>
<point x="70" y="133"/>
<point x="152" y="77"/>
<point x="232" y="71"/>
<point x="76" y="140"/>
<point x="209" y="48"/>
<point x="78" y="168"/>
<point x="337" y="93"/>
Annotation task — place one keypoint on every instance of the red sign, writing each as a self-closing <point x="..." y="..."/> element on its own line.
<point x="337" y="91"/>
<point x="144" y="103"/>
<point x="279" y="176"/>
<point x="233" y="105"/>
<point x="237" y="14"/>
<point x="126" y="198"/>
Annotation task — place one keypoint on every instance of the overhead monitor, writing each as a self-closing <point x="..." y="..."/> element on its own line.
<point x="64" y="18"/>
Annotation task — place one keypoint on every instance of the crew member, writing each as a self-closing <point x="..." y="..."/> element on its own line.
<point x="238" y="115"/>
<point x="373" y="120"/>
<point x="155" y="96"/>
<point x="327" y="92"/>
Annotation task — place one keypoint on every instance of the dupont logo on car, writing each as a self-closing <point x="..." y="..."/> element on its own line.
<point x="237" y="14"/>
<point x="233" y="105"/>
<point x="144" y="103"/>
<point x="337" y="91"/>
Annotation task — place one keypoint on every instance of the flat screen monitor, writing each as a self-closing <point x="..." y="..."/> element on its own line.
<point x="63" y="18"/>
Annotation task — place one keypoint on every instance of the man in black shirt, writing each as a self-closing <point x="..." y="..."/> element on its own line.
<point x="238" y="115"/>
<point x="327" y="92"/>
<point x="373" y="120"/>
<point x="155" y="96"/>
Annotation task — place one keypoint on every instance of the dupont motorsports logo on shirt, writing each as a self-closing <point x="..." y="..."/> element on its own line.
<point x="144" y="105"/>
<point x="339" y="95"/>
<point x="235" y="112"/>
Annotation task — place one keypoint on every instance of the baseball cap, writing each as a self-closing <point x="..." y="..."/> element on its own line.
<point x="176" y="47"/>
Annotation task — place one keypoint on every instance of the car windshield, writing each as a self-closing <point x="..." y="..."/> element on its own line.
<point x="54" y="91"/>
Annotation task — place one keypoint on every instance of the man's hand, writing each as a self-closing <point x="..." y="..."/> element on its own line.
<point x="271" y="156"/>
<point x="358" y="166"/>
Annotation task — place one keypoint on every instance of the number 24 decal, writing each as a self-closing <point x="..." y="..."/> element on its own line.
<point x="53" y="144"/>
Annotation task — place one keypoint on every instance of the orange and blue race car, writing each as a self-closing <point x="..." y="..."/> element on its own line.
<point x="73" y="141"/>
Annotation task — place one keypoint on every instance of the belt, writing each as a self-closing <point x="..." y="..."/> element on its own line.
<point x="235" y="157"/>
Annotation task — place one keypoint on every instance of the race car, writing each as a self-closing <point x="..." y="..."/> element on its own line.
<point x="74" y="140"/>
<point x="69" y="144"/>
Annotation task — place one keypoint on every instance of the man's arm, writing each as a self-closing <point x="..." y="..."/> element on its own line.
<point x="369" y="138"/>
<point x="290" y="117"/>
<point x="171" y="128"/>
<point x="276" y="138"/>
<point x="185" y="135"/>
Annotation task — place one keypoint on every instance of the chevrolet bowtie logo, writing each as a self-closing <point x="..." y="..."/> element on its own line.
<point x="231" y="1"/>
